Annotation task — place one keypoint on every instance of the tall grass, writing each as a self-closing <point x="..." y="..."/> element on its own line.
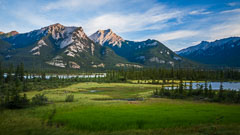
<point x="147" y="116"/>
<point x="91" y="117"/>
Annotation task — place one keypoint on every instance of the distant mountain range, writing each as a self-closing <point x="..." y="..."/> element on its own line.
<point x="58" y="46"/>
<point x="222" y="53"/>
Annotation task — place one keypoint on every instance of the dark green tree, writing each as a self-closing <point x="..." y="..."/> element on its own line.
<point x="210" y="91"/>
<point x="9" y="77"/>
<point x="220" y="93"/>
<point x="21" y="71"/>
<point x="1" y="75"/>
<point x="181" y="87"/>
<point x="190" y="88"/>
<point x="206" y="89"/>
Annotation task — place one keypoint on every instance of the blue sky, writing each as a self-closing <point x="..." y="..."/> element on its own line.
<point x="176" y="23"/>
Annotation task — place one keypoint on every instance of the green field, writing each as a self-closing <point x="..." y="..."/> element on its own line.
<point x="115" y="108"/>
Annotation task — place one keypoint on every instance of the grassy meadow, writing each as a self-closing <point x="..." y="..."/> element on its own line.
<point x="119" y="109"/>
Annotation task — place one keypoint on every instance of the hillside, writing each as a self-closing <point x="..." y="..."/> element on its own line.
<point x="223" y="52"/>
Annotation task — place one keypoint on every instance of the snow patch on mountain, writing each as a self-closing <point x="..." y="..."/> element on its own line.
<point x="66" y="42"/>
<point x="128" y="65"/>
<point x="73" y="65"/>
<point x="171" y="63"/>
<point x="78" y="43"/>
<point x="157" y="60"/>
<point x="65" y="36"/>
<point x="73" y="50"/>
<point x="141" y="58"/>
<point x="8" y="56"/>
<point x="61" y="34"/>
<point x="155" y="43"/>
<point x="36" y="53"/>
<point x="177" y="58"/>
<point x="36" y="49"/>
<point x="92" y="49"/>
<point x="57" y="61"/>
<point x="99" y="66"/>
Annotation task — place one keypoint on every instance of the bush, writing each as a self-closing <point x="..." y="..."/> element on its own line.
<point x="39" y="99"/>
<point x="16" y="101"/>
<point x="69" y="98"/>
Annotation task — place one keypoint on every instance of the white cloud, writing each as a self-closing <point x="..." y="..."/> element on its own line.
<point x="232" y="11"/>
<point x="32" y="18"/>
<point x="154" y="18"/>
<point x="74" y="4"/>
<point x="232" y="4"/>
<point x="199" y="12"/>
<point x="223" y="31"/>
<point x="175" y="35"/>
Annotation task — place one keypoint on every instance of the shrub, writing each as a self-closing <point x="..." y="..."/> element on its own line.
<point x="69" y="98"/>
<point x="39" y="99"/>
<point x="16" y="101"/>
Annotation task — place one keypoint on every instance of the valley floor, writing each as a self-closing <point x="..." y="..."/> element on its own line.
<point x="119" y="109"/>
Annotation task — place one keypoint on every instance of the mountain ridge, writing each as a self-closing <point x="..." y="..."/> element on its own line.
<point x="222" y="52"/>
<point x="59" y="46"/>
<point x="9" y="34"/>
<point x="149" y="52"/>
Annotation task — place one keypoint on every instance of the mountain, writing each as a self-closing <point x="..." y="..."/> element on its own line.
<point x="107" y="37"/>
<point x="4" y="46"/>
<point x="223" y="52"/>
<point x="9" y="34"/>
<point x="150" y="53"/>
<point x="58" y="46"/>
<point x="68" y="47"/>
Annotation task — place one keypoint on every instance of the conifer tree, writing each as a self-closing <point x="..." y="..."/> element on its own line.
<point x="9" y="77"/>
<point x="210" y="92"/>
<point x="220" y="93"/>
<point x="172" y="86"/>
<point x="181" y="87"/>
<point x="21" y="72"/>
<point x="206" y="89"/>
<point x="1" y="75"/>
<point x="190" y="88"/>
<point x="201" y="89"/>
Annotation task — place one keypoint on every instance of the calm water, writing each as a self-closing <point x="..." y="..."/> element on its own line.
<point x="67" y="76"/>
<point x="216" y="85"/>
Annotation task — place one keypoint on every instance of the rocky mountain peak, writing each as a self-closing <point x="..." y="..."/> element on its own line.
<point x="80" y="32"/>
<point x="69" y="47"/>
<point x="13" y="33"/>
<point x="107" y="36"/>
<point x="9" y="34"/>
<point x="54" y="28"/>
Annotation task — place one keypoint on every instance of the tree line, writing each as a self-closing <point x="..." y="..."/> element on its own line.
<point x="14" y="81"/>
<point x="155" y="74"/>
<point x="183" y="90"/>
